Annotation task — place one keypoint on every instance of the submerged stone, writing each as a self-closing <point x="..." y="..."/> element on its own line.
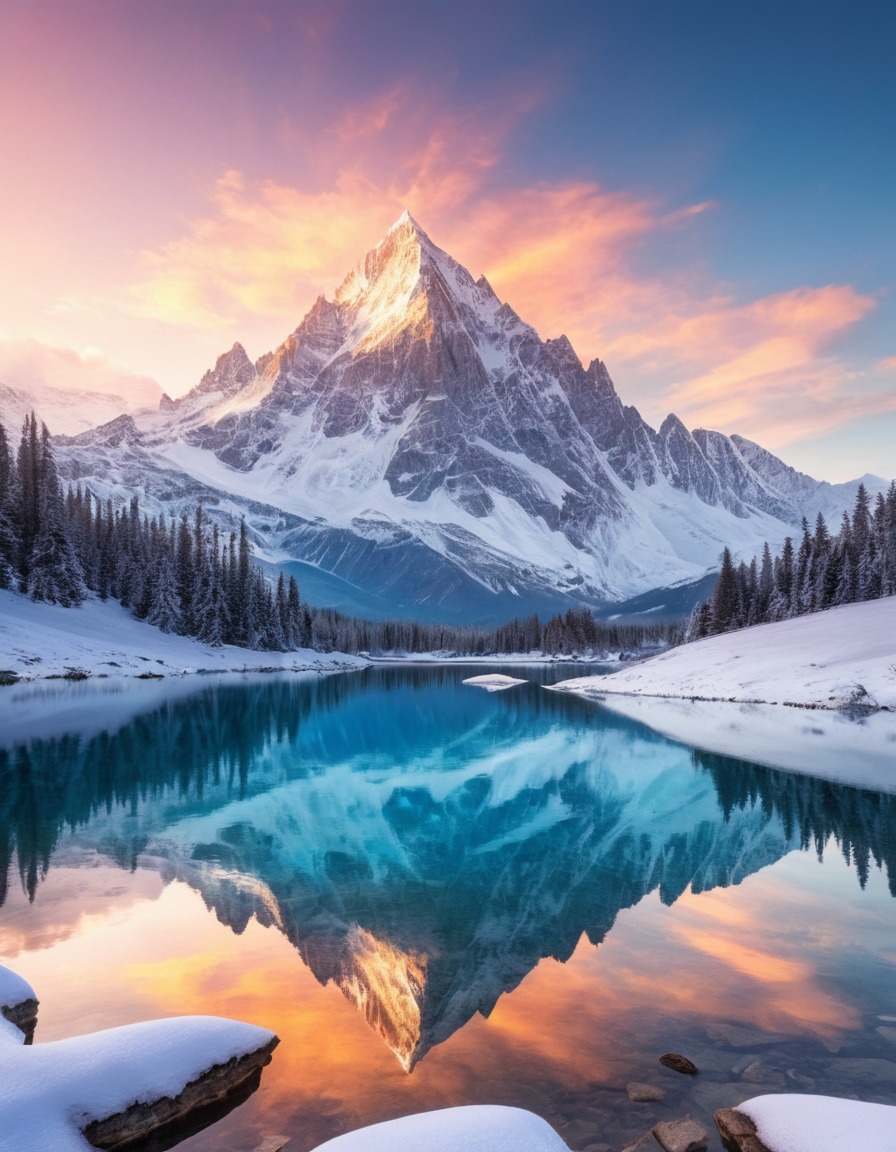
<point x="679" y="1063"/>
<point x="683" y="1135"/>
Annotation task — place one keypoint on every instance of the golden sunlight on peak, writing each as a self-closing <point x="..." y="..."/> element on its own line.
<point x="388" y="986"/>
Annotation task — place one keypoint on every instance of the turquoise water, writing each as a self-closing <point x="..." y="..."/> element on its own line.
<point x="440" y="895"/>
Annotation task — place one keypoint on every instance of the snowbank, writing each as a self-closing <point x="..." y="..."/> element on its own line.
<point x="40" y="640"/>
<point x="50" y="1092"/>
<point x="475" y="1128"/>
<point x="829" y="659"/>
<point x="791" y="1123"/>
<point x="13" y="989"/>
<point x="493" y="682"/>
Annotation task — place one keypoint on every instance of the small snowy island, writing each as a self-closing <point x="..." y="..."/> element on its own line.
<point x="493" y="682"/>
<point x="816" y="694"/>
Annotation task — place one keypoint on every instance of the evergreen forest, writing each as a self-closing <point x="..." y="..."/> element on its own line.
<point x="856" y="563"/>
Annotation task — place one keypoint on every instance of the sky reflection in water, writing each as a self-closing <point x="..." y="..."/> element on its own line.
<point x="434" y="853"/>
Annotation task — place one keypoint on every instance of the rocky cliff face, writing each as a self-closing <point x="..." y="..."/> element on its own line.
<point x="417" y="412"/>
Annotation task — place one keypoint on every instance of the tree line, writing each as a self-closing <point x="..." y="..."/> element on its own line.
<point x="577" y="632"/>
<point x="182" y="576"/>
<point x="857" y="563"/>
<point x="189" y="578"/>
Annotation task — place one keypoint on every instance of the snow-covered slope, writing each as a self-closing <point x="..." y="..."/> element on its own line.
<point x="41" y="640"/>
<point x="429" y="448"/>
<point x="69" y="410"/>
<point x="725" y="693"/>
<point x="844" y="656"/>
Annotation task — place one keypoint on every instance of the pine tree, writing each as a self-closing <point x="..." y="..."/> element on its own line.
<point x="725" y="596"/>
<point x="54" y="571"/>
<point x="9" y="540"/>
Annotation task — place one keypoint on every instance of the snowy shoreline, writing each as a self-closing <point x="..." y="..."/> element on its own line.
<point x="40" y="642"/>
<point x="844" y="657"/>
<point x="815" y="695"/>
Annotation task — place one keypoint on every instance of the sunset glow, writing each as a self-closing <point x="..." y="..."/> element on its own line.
<point x="188" y="176"/>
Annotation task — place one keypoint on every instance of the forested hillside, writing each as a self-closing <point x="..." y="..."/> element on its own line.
<point x="857" y="563"/>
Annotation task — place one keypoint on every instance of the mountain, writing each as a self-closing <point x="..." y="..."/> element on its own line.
<point x="63" y="410"/>
<point x="416" y="448"/>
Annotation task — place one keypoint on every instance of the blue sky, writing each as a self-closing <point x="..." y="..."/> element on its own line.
<point x="699" y="193"/>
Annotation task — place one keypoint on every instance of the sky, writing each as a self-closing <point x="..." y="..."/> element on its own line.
<point x="701" y="194"/>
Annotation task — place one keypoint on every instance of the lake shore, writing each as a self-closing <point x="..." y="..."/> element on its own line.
<point x="844" y="657"/>
<point x="101" y="639"/>
<point x="816" y="694"/>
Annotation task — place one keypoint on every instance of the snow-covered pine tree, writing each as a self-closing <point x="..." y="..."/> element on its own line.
<point x="54" y="570"/>
<point x="9" y="539"/>
<point x="164" y="611"/>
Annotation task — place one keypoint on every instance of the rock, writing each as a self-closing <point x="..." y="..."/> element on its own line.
<point x="215" y="1093"/>
<point x="597" y="1148"/>
<point x="683" y="1135"/>
<point x="272" y="1144"/>
<point x="647" y="1143"/>
<point x="678" y="1063"/>
<point x="870" y="1073"/>
<point x="761" y="1073"/>
<point x="736" y="1036"/>
<point x="710" y="1095"/>
<point x="738" y="1131"/>
<point x="23" y="1015"/>
<point x="641" y="1093"/>
<point x="806" y="1083"/>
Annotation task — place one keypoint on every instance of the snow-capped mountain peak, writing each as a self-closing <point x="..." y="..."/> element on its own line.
<point x="433" y="450"/>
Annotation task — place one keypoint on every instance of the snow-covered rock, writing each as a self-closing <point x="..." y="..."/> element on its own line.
<point x="791" y="1123"/>
<point x="417" y="440"/>
<point x="49" y="1093"/>
<point x="475" y="1128"/>
<point x="13" y="989"/>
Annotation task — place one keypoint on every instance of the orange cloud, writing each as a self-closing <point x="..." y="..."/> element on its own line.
<point x="565" y="255"/>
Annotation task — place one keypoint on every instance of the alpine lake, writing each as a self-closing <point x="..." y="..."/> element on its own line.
<point x="436" y="895"/>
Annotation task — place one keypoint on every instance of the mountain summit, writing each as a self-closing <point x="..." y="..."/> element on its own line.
<point x="423" y="446"/>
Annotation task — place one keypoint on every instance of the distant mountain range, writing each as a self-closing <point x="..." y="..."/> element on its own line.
<point x="414" y="448"/>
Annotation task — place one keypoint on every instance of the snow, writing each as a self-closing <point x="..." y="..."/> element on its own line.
<point x="494" y="682"/>
<point x="13" y="989"/>
<point x="49" y="1092"/>
<point x="829" y="659"/>
<point x="725" y="693"/>
<point x="38" y="640"/>
<point x="475" y="1128"/>
<point x="791" y="1123"/>
<point x="74" y="409"/>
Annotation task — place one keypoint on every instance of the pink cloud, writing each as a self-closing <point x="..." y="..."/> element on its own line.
<point x="565" y="255"/>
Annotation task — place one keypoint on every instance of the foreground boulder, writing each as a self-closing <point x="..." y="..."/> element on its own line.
<point x="476" y="1128"/>
<point x="164" y="1079"/>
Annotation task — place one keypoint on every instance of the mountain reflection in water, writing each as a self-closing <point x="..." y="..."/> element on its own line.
<point x="422" y="849"/>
